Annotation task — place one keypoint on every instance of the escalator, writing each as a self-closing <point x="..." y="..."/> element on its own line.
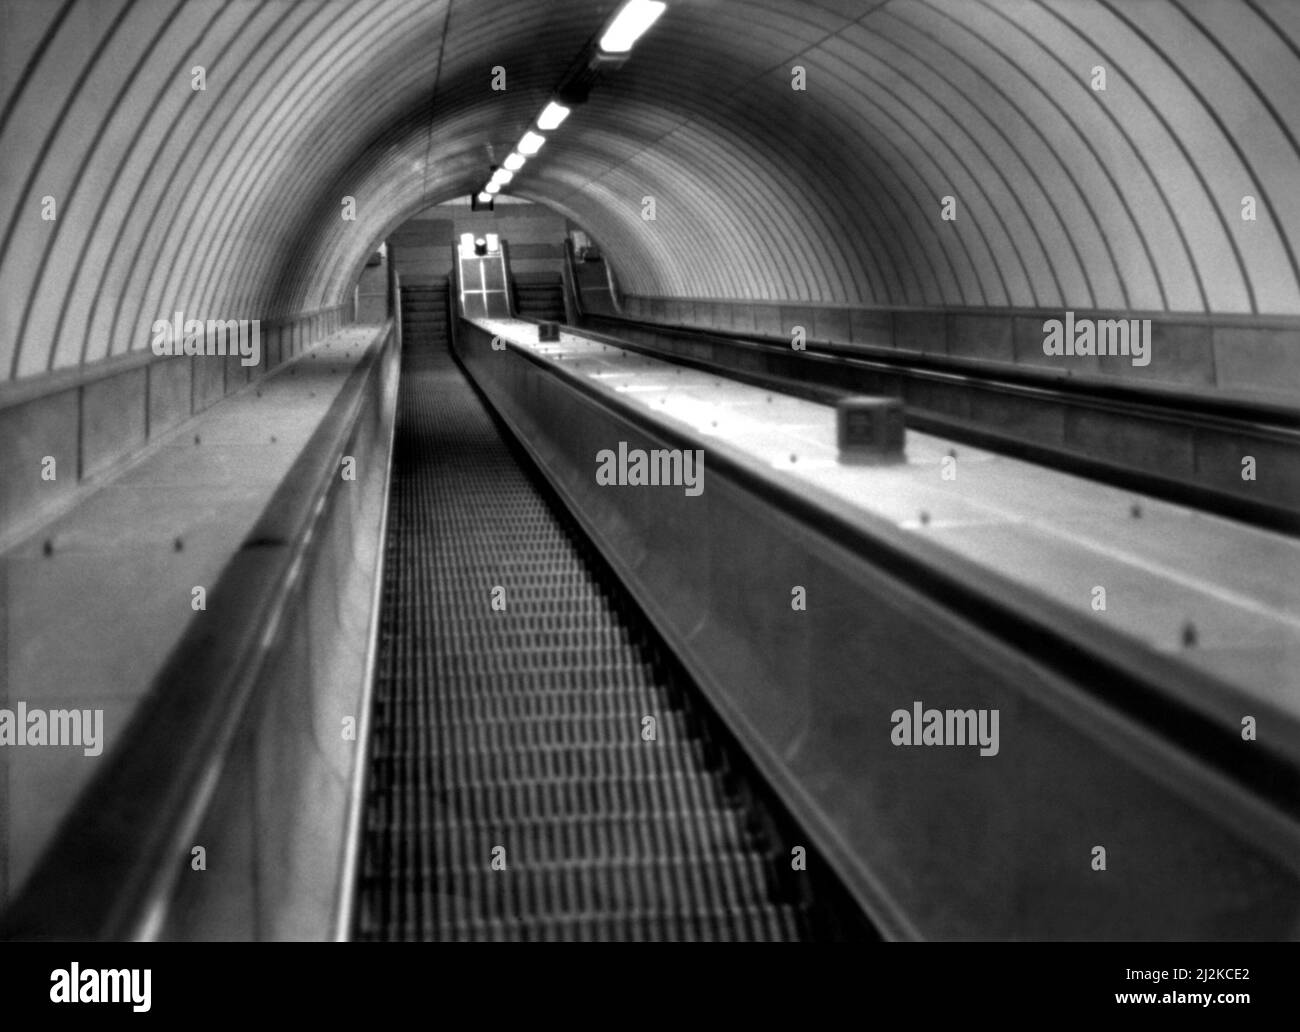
<point x="539" y="298"/>
<point x="514" y="791"/>
<point x="425" y="315"/>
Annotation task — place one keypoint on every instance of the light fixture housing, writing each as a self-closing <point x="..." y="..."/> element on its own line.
<point x="531" y="143"/>
<point x="630" y="24"/>
<point x="514" y="161"/>
<point x="552" y="115"/>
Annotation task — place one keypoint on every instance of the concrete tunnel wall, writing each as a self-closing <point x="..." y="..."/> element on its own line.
<point x="226" y="202"/>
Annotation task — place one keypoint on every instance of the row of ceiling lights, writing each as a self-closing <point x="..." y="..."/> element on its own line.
<point x="626" y="27"/>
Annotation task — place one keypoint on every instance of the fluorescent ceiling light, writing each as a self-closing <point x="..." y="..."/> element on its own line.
<point x="531" y="143"/>
<point x="628" y="25"/>
<point x="492" y="188"/>
<point x="551" y="117"/>
<point x="514" y="161"/>
<point x="502" y="176"/>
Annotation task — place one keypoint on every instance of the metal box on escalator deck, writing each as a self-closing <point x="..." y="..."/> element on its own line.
<point x="869" y="429"/>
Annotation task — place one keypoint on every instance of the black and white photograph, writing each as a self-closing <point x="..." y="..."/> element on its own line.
<point x="650" y="471"/>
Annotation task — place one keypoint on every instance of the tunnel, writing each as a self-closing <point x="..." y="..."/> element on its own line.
<point x="612" y="470"/>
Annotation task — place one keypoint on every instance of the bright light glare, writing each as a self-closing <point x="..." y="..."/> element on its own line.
<point x="531" y="143"/>
<point x="492" y="188"/>
<point x="494" y="243"/>
<point x="514" y="161"/>
<point x="483" y="198"/>
<point x="502" y="176"/>
<point x="551" y="117"/>
<point x="629" y="24"/>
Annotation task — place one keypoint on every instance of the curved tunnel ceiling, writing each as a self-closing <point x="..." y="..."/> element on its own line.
<point x="226" y="202"/>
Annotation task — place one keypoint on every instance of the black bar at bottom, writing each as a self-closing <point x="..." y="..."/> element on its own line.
<point x="1233" y="985"/>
